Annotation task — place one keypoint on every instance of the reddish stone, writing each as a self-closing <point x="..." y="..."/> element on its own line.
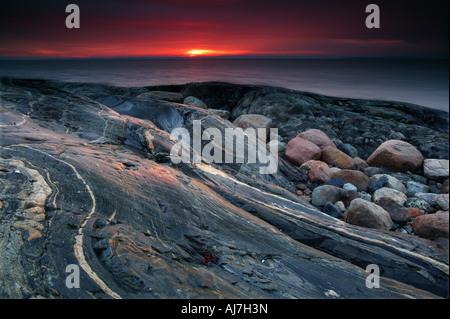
<point x="299" y="151"/>
<point x="414" y="212"/>
<point x="299" y="192"/>
<point x="431" y="226"/>
<point x="336" y="157"/>
<point x="317" y="137"/>
<point x="357" y="178"/>
<point x="319" y="172"/>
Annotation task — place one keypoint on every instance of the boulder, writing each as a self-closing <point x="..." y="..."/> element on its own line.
<point x="336" y="157"/>
<point x="317" y="137"/>
<point x="412" y="188"/>
<point x="392" y="182"/>
<point x="367" y="214"/>
<point x="299" y="151"/>
<point x="396" y="156"/>
<point x="398" y="213"/>
<point x="436" y="169"/>
<point x="327" y="193"/>
<point x="193" y="101"/>
<point x="357" y="178"/>
<point x="397" y="196"/>
<point x="319" y="172"/>
<point x="431" y="226"/>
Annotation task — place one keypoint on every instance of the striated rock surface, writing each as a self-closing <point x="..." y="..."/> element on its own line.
<point x="87" y="181"/>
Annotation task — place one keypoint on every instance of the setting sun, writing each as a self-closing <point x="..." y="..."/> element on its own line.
<point x="201" y="52"/>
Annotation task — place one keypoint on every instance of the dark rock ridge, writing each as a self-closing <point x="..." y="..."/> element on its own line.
<point x="86" y="179"/>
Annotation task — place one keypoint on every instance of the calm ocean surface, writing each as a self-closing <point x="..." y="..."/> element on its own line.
<point x="416" y="81"/>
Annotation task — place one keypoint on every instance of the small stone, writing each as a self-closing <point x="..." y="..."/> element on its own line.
<point x="418" y="203"/>
<point x="338" y="182"/>
<point x="399" y="214"/>
<point x="327" y="193"/>
<point x="436" y="169"/>
<point x="412" y="188"/>
<point x="442" y="201"/>
<point x="430" y="198"/>
<point x="370" y="171"/>
<point x="445" y="186"/>
<point x="341" y="206"/>
<point x="414" y="212"/>
<point x="330" y="209"/>
<point x="392" y="182"/>
<point x="365" y="196"/>
<point x="367" y="214"/>
<point x="377" y="184"/>
<point x="350" y="188"/>
<point x="397" y="196"/>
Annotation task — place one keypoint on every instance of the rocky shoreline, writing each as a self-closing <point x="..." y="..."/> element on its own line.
<point x="87" y="180"/>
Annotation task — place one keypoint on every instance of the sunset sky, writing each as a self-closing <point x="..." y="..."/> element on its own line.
<point x="249" y="28"/>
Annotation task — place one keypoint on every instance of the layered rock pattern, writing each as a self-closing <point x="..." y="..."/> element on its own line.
<point x="87" y="180"/>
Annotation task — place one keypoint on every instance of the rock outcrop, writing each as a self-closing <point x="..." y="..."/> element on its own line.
<point x="87" y="181"/>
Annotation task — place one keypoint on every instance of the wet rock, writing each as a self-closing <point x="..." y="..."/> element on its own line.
<point x="396" y="156"/>
<point x="299" y="151"/>
<point x="436" y="169"/>
<point x="398" y="213"/>
<point x="412" y="188"/>
<point x="431" y="226"/>
<point x="397" y="196"/>
<point x="336" y="157"/>
<point x="367" y="214"/>
<point x="317" y="137"/>
<point x="327" y="193"/>
<point x="357" y="178"/>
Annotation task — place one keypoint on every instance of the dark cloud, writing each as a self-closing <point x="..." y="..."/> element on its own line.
<point x="410" y="28"/>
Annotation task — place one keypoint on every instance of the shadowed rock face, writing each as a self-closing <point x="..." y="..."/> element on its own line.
<point x="86" y="180"/>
